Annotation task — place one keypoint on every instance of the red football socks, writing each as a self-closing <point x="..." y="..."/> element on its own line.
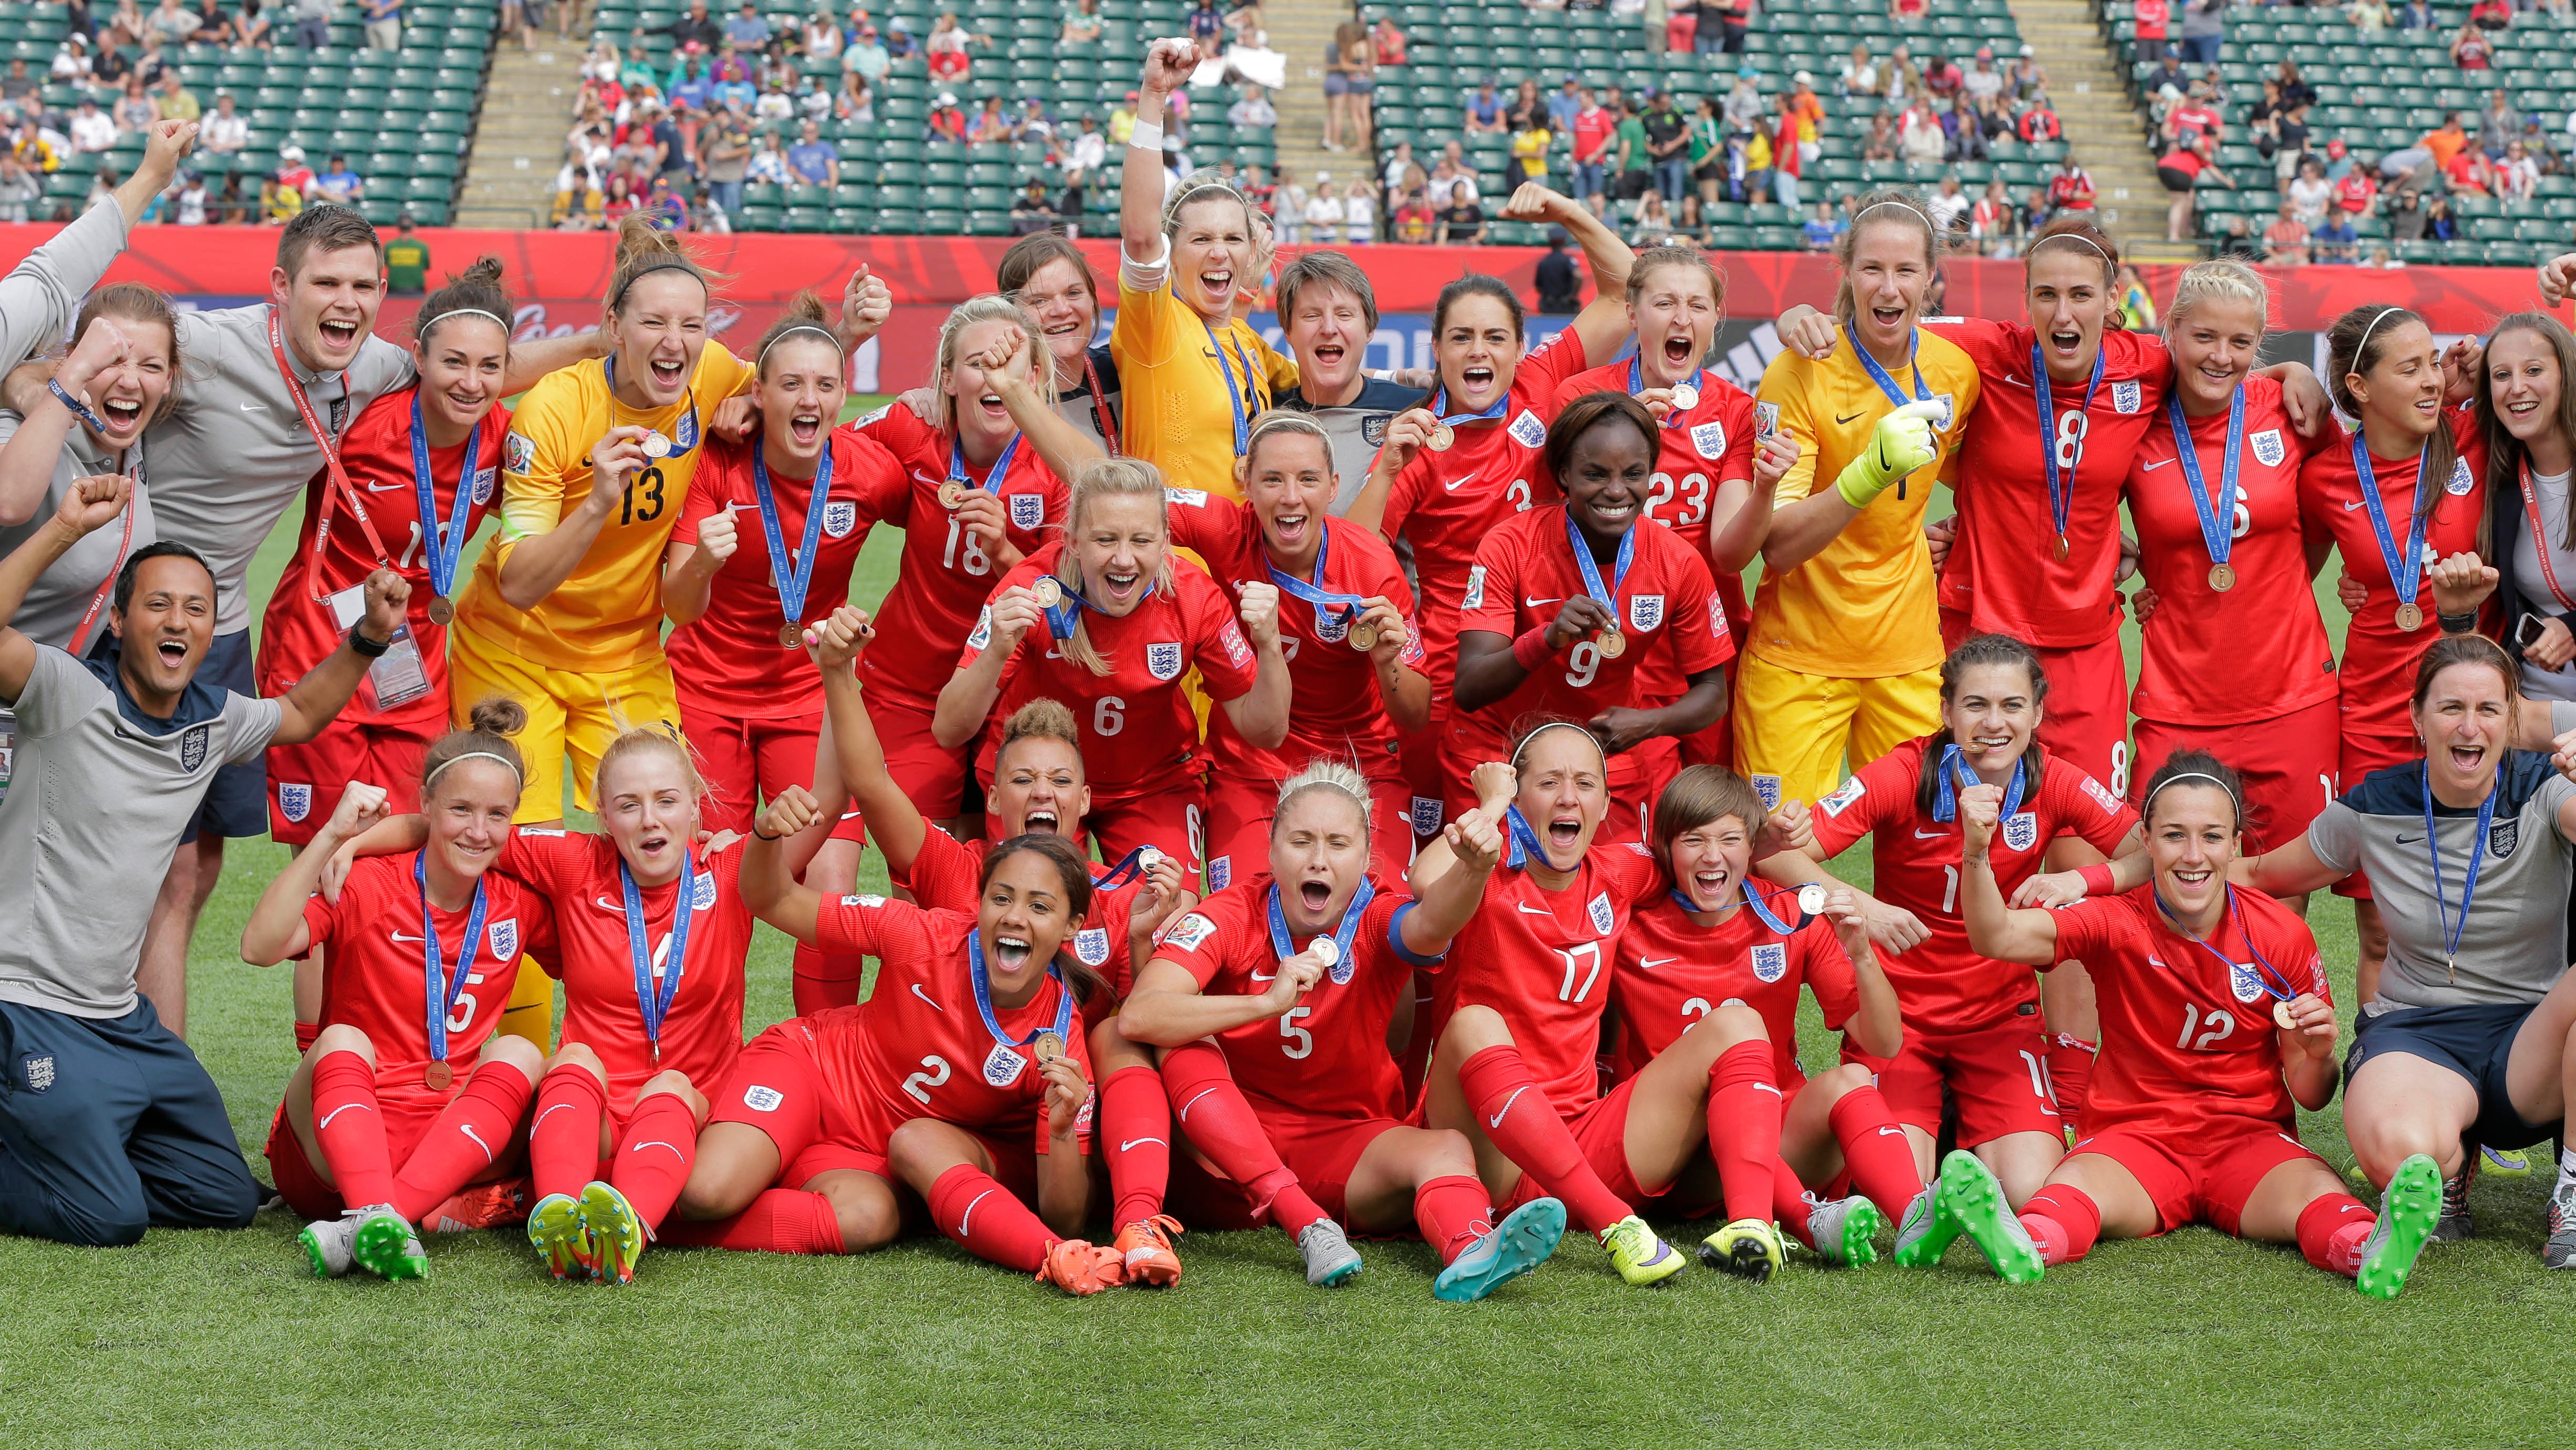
<point x="563" y="1137"/>
<point x="1222" y="1126"/>
<point x="655" y="1156"/>
<point x="1452" y="1212"/>
<point x="1517" y="1118"/>
<point x="306" y="1034"/>
<point x="1744" y="1128"/>
<point x="470" y="1135"/>
<point x="779" y="1221"/>
<point x="1876" y="1152"/>
<point x="825" y="979"/>
<point x="2063" y="1221"/>
<point x="1135" y="1135"/>
<point x="2332" y="1229"/>
<point x="2070" y="1071"/>
<point x="987" y="1220"/>
<point x="351" y="1129"/>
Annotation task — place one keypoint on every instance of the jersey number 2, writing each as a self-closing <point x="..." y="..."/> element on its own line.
<point x="934" y="1072"/>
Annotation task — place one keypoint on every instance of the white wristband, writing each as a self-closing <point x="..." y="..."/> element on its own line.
<point x="1148" y="136"/>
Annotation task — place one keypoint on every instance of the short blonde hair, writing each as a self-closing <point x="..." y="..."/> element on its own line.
<point x="1119" y="477"/>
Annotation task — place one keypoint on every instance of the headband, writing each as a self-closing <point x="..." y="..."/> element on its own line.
<point x="1519" y="749"/>
<point x="2081" y="241"/>
<point x="2384" y="314"/>
<point x="1903" y="206"/>
<point x="2149" y="803"/>
<point x="467" y="312"/>
<point x="763" y="360"/>
<point x="664" y="263"/>
<point x="437" y="769"/>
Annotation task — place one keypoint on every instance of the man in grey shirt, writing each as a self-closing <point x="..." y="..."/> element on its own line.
<point x="107" y="1122"/>
<point x="1327" y="314"/>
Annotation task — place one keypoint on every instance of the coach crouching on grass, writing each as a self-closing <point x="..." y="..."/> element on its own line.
<point x="107" y="1121"/>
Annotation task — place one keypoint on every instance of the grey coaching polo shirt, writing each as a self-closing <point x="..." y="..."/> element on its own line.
<point x="96" y="804"/>
<point x="2513" y="945"/>
<point x="63" y="593"/>
<point x="41" y="295"/>
<point x="1356" y="429"/>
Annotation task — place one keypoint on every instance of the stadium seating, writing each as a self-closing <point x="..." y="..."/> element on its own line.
<point x="1454" y="45"/>
<point x="403" y="118"/>
<point x="893" y="179"/>
<point x="2378" y="93"/>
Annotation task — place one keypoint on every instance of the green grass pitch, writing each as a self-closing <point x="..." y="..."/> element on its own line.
<point x="217" y="1339"/>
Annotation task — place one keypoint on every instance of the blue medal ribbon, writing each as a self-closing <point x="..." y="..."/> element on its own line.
<point x="1609" y="597"/>
<point x="2453" y="926"/>
<point x="984" y="997"/>
<point x="1674" y="417"/>
<point x="2266" y="975"/>
<point x="654" y="1002"/>
<point x="443" y="991"/>
<point x="792" y="582"/>
<point x="1752" y="898"/>
<point x="2215" y="514"/>
<point x="684" y="432"/>
<point x="1130" y="867"/>
<point x="1440" y="409"/>
<point x="1955" y="776"/>
<point x="992" y="477"/>
<point x="1314" y="592"/>
<point x="1521" y="841"/>
<point x="2061" y="493"/>
<point x="1887" y="384"/>
<point x="1062" y="616"/>
<point x="2405" y="571"/>
<point x="1343" y="963"/>
<point x="445" y="542"/>
<point x="1233" y="390"/>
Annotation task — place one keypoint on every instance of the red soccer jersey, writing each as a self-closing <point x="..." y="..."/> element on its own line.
<point x="2258" y="650"/>
<point x="2004" y="569"/>
<point x="919" y="1047"/>
<point x="1444" y="503"/>
<point x="2378" y="669"/>
<point x="1671" y="973"/>
<point x="1542" y="958"/>
<point x="944" y="576"/>
<point x="1667" y="610"/>
<point x="298" y="632"/>
<point x="2186" y="1039"/>
<point x="1941" y="984"/>
<point x="1709" y="444"/>
<point x="1334" y="706"/>
<point x="729" y="661"/>
<point x="375" y="970"/>
<point x="1326" y="1057"/>
<point x="702" y="1031"/>
<point x="1139" y="734"/>
<point x="948" y="874"/>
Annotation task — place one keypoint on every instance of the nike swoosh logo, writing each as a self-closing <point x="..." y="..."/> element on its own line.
<point x="1496" y="1120"/>
<point x="1265" y="976"/>
<point x="402" y="940"/>
<point x="926" y="478"/>
<point x="1891" y="1132"/>
<point x="2151" y="960"/>
<point x="1535" y="603"/>
<point x="2409" y="840"/>
<point x="335" y="1112"/>
<point x="2152" y="467"/>
<point x="1533" y="910"/>
<point x="2348" y="508"/>
<point x="477" y="1140"/>
<point x="1650" y="963"/>
<point x="925" y="996"/>
<point x="1852" y="418"/>
<point x="669" y="1148"/>
<point x="1451" y="485"/>
<point x="968" y="1216"/>
<point x="385" y="487"/>
<point x="1183" y="1110"/>
<point x="1130" y="1145"/>
<point x="1923" y="835"/>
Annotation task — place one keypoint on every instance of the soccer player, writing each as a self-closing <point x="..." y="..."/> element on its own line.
<point x="1038" y="788"/>
<point x="415" y="478"/>
<point x="2236" y="661"/>
<point x="1052" y="283"/>
<point x="2195" y="1126"/>
<point x="1569" y="607"/>
<point x="1343" y="589"/>
<point x="2472" y="1022"/>
<point x="2400" y="495"/>
<point x="1473" y="454"/>
<point x="1845" y="647"/>
<point x="961" y="1078"/>
<point x="1517" y="1020"/>
<point x="114" y="757"/>
<point x="1327" y="314"/>
<point x="1193" y="373"/>
<point x="1973" y="1041"/>
<point x="982" y="486"/>
<point x="1287" y="1069"/>
<point x="1717" y="945"/>
<point x="396" y="1106"/>
<point x="1109" y="623"/>
<point x="2523" y="385"/>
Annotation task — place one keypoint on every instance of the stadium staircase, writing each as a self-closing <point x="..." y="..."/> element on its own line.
<point x="2092" y="101"/>
<point x="519" y="144"/>
<point x="1299" y="30"/>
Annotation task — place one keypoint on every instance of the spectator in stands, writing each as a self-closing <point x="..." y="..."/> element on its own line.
<point x="2154" y="19"/>
<point x="1253" y="109"/>
<point x="312" y="32"/>
<point x="2238" y="241"/>
<point x="2441" y="224"/>
<point x="989" y="127"/>
<point x="1809" y="108"/>
<point x="1920" y="137"/>
<point x="2194" y="118"/>
<point x="1744" y="106"/>
<point x="1388" y="39"/>
<point x="1529" y="152"/>
<point x="2471" y="50"/>
<point x="338" y="184"/>
<point x="724" y="155"/>
<point x="2167" y="76"/>
<point x="2470" y="174"/>
<point x="1818" y="231"/>
<point x="2415" y="15"/>
<point x="774" y="107"/>
<point x="1462" y="221"/>
<point x="617" y="202"/>
<point x="1448" y="181"/>
<point x="1668" y="143"/>
<point x="1860" y="74"/>
<point x="2370" y="16"/>
<point x="2071" y="189"/>
<point x="1733" y="19"/>
<point x="172" y="22"/>
<point x="947" y="122"/>
<point x="1359" y="214"/>
<point x="176" y="102"/>
<point x="1681" y="28"/>
<point x="2355" y="193"/>
<point x="2285" y="241"/>
<point x="1788" y="156"/>
<point x="899" y="41"/>
<point x="1397" y="165"/>
<point x="2491" y="14"/>
<point x="92" y="130"/>
<point x="2029" y="78"/>
<point x="1486" y="107"/>
<point x="821" y="38"/>
<point x="19" y="87"/>
<point x="2333" y="242"/>
<point x="2309" y="194"/>
<point x="1205" y="25"/>
<point x="812" y="160"/>
<point x="135" y="110"/>
<point x="1994" y="222"/>
<point x="946" y="47"/>
<point x="187" y="200"/>
<point x="1412" y="220"/>
<point x="1708" y="153"/>
<point x="1081" y="24"/>
<point x="747" y="28"/>
<point x="2203" y="30"/>
<point x="1964" y="129"/>
<point x="1595" y="138"/>
<point x="1880" y="144"/>
<point x="866" y="56"/>
<point x="2382" y="259"/>
<point x="2186" y="166"/>
<point x="1948" y="207"/>
<point x="20" y="190"/>
<point x="1636" y="160"/>
<point x="251" y="32"/>
<point x="1943" y="79"/>
<point x="1654" y="221"/>
<point x="384" y="23"/>
<point x="1086" y="149"/>
<point x="2517" y="176"/>
<point x="2498" y="123"/>
<point x="1983" y="80"/>
<point x="768" y="163"/>
<point x="1033" y="211"/>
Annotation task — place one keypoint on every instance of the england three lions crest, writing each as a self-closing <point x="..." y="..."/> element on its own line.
<point x="1028" y="510"/>
<point x="2268" y="449"/>
<point x="294" y="802"/>
<point x="839" y="517"/>
<point x="503" y="938"/>
<point x="1645" y="612"/>
<point x="1163" y="661"/>
<point x="1708" y="440"/>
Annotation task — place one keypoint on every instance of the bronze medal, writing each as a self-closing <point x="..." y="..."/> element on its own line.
<point x="2410" y="618"/>
<point x="1442" y="435"/>
<point x="1047" y="1048"/>
<point x="951" y="494"/>
<point x="1364" y="637"/>
<point x="2222" y="577"/>
<point x="1049" y="593"/>
<point x="2063" y="548"/>
<point x="440" y="610"/>
<point x="438" y="1076"/>
<point x="791" y="635"/>
<point x="1611" y="644"/>
<point x="2281" y="1013"/>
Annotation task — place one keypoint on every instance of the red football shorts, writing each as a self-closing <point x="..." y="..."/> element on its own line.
<point x="1321" y="1151"/>
<point x="2200" y="1171"/>
<point x="2359" y="756"/>
<point x="932" y="777"/>
<point x="748" y="759"/>
<point x="305" y="781"/>
<point x="2288" y="764"/>
<point x="1423" y="778"/>
<point x="1238" y="828"/>
<point x="1600" y="1129"/>
<point x="2087" y="720"/>
<point x="1995" y="1075"/>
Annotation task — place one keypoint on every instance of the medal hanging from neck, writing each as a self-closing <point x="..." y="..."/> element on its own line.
<point x="2406" y="567"/>
<point x="337" y="490"/>
<point x="1955" y="776"/>
<point x="1444" y="433"/>
<point x="791" y="578"/>
<point x="1002" y="1065"/>
<point x="2276" y="986"/>
<point x="1338" y="961"/>
<point x="1887" y="384"/>
<point x="1811" y="899"/>
<point x="657" y="982"/>
<point x="1063" y="603"/>
<point x="1234" y="391"/>
<point x="2061" y="481"/>
<point x="1337" y="616"/>
<point x="959" y="483"/>
<point x="443" y="991"/>
<point x="1611" y="643"/>
<point x="1130" y="867"/>
<point x="1685" y="393"/>
<point x="2217" y="515"/>
<point x="1521" y="843"/>
<point x="444" y="542"/>
<point x="2454" y="925"/>
<point x="657" y="444"/>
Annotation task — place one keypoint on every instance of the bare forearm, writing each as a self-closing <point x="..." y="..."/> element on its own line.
<point x="1170" y="1019"/>
<point x="1407" y="695"/>
<point x="1064" y="1186"/>
<point x="1736" y="535"/>
<point x="317" y="699"/>
<point x="1140" y="187"/>
<point x="1996" y="930"/>
<point x="269" y="937"/>
<point x="537" y="356"/>
<point x="1487" y="671"/>
<point x="1060" y="445"/>
<point x="687" y="584"/>
<point x="967" y="701"/>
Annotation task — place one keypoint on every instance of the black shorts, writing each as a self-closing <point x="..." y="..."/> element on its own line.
<point x="2473" y="1041"/>
<point x="236" y="802"/>
<point x="2176" y="179"/>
